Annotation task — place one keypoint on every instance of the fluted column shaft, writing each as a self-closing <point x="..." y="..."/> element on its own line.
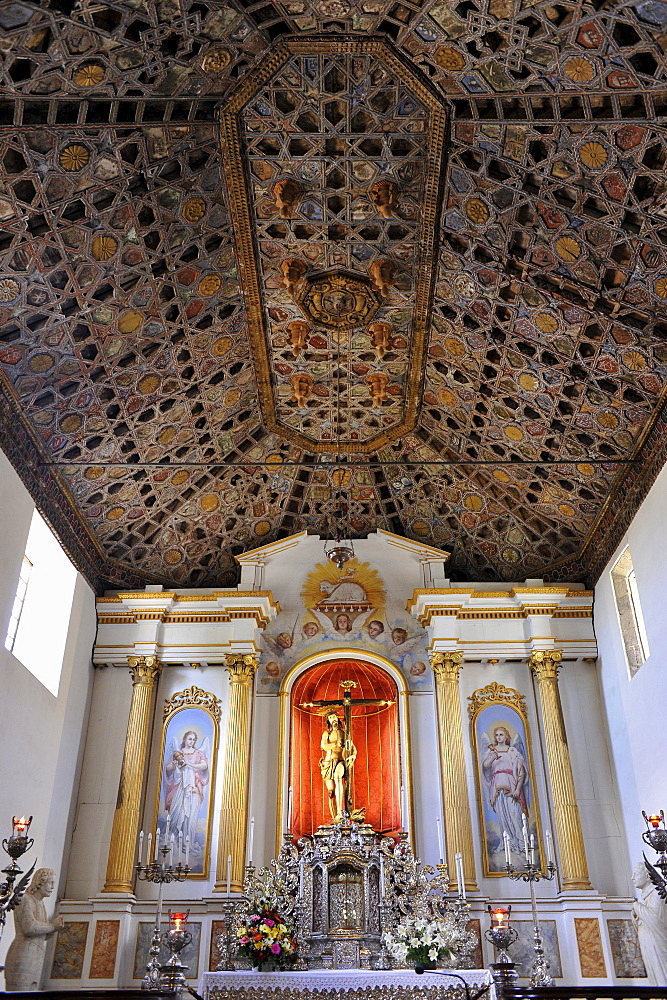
<point x="235" y="783"/>
<point x="574" y="869"/>
<point x="457" y="820"/>
<point x="144" y="670"/>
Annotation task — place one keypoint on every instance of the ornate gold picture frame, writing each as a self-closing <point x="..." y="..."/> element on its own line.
<point x="188" y="752"/>
<point x="504" y="775"/>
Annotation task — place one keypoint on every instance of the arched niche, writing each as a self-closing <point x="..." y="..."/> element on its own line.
<point x="376" y="778"/>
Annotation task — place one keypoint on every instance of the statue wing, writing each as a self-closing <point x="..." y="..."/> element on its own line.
<point x="657" y="880"/>
<point x="19" y="889"/>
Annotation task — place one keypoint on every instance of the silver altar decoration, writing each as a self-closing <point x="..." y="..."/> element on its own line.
<point x="346" y="885"/>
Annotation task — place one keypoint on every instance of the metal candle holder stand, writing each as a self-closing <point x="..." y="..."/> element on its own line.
<point x="10" y="893"/>
<point x="655" y="836"/>
<point x="226" y="941"/>
<point x="160" y="873"/>
<point x="531" y="874"/>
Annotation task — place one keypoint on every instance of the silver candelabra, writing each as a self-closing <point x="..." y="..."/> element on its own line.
<point x="160" y="872"/>
<point x="15" y="846"/>
<point x="531" y="874"/>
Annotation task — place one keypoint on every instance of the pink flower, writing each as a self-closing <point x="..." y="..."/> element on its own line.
<point x="244" y="940"/>
<point x="269" y="922"/>
<point x="275" y="948"/>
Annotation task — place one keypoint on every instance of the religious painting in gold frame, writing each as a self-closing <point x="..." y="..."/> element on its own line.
<point x="504" y="775"/>
<point x="185" y="788"/>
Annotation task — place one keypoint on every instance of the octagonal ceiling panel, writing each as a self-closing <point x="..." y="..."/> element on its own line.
<point x="334" y="151"/>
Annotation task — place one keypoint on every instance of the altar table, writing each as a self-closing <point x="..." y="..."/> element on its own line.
<point x="350" y="984"/>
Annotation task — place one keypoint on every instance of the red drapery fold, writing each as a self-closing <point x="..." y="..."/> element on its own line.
<point x="377" y="771"/>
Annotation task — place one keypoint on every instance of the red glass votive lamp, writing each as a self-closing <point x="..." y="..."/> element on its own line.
<point x="500" y="918"/>
<point x="178" y="920"/>
<point x="20" y="827"/>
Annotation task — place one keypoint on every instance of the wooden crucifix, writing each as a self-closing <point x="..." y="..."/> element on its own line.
<point x="339" y="756"/>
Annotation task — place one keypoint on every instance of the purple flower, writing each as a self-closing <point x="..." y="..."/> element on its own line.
<point x="269" y="922"/>
<point x="275" y="948"/>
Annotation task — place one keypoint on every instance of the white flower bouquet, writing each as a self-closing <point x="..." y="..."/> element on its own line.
<point x="422" y="942"/>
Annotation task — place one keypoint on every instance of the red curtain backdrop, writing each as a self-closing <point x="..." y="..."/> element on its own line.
<point x="377" y="770"/>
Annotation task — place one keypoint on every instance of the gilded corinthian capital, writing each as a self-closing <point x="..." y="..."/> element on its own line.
<point x="446" y="665"/>
<point x="144" y="669"/>
<point x="241" y="667"/>
<point x="545" y="664"/>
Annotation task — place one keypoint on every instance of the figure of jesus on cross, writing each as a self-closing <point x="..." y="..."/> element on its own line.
<point x="339" y="752"/>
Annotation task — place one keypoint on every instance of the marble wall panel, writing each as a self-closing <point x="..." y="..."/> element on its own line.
<point x="70" y="948"/>
<point x="589" y="943"/>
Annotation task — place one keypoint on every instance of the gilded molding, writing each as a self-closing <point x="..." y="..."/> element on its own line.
<point x="193" y="697"/>
<point x="241" y="667"/>
<point x="496" y="694"/>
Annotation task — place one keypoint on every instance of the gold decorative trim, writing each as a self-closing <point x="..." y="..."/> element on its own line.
<point x="193" y="697"/>
<point x="467" y="614"/>
<point x="239" y="205"/>
<point x="497" y="694"/>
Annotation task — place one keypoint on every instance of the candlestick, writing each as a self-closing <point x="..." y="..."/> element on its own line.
<point x="301" y="876"/>
<point x="289" y="808"/>
<point x="550" y="848"/>
<point x="187" y="850"/>
<point x="508" y="849"/>
<point x="140" y="847"/>
<point x="382" y="884"/>
<point x="252" y="837"/>
<point x="149" y="844"/>
<point x="166" y="832"/>
<point x="156" y="856"/>
<point x="525" y="839"/>
<point x="171" y="851"/>
<point x="460" y="879"/>
<point x="229" y="874"/>
<point x="456" y="869"/>
<point x="532" y="849"/>
<point x="441" y="846"/>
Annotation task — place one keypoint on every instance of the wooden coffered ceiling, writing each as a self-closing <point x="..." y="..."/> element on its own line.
<point x="265" y="263"/>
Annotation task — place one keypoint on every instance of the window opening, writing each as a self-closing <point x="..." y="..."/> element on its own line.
<point x="628" y="608"/>
<point x="19" y="601"/>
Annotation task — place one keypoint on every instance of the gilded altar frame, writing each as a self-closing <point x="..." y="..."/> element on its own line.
<point x="193" y="701"/>
<point x="510" y="707"/>
<point x="405" y="744"/>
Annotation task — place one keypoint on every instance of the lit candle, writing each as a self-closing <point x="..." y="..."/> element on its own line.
<point x="508" y="849"/>
<point x="499" y="917"/>
<point x="654" y="821"/>
<point x="140" y="847"/>
<point x="550" y="848"/>
<point x="441" y="846"/>
<point x="525" y="839"/>
<point x="229" y="874"/>
<point x="252" y="838"/>
<point x="187" y="850"/>
<point x="289" y="808"/>
<point x="532" y="849"/>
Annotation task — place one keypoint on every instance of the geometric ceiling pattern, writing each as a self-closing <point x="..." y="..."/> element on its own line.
<point x="266" y="264"/>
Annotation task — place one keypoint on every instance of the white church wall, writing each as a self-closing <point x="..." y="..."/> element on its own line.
<point x="42" y="733"/>
<point x="635" y="706"/>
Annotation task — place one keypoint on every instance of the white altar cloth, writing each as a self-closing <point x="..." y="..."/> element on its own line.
<point x="334" y="981"/>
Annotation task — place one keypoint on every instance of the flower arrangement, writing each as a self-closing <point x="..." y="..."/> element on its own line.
<point x="265" y="938"/>
<point x="422" y="942"/>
